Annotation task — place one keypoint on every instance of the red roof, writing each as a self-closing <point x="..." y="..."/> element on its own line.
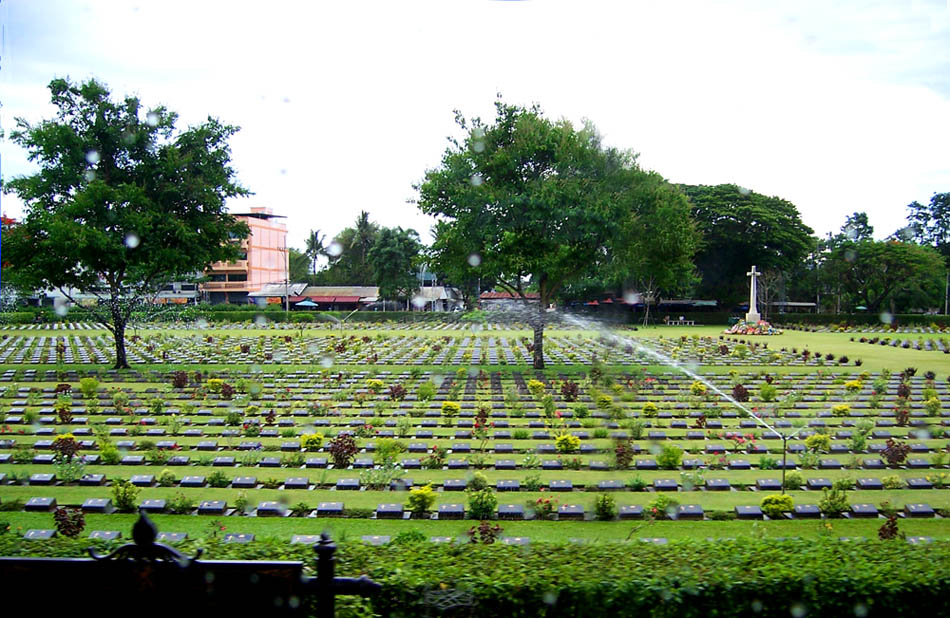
<point x="347" y="299"/>
<point x="321" y="299"/>
<point x="297" y="299"/>
<point x="607" y="301"/>
<point x="507" y="296"/>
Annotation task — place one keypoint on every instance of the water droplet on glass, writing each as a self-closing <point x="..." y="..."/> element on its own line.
<point x="478" y="145"/>
<point x="89" y="175"/>
<point x="255" y="388"/>
<point x="279" y="355"/>
<point x="201" y="323"/>
<point x="860" y="610"/>
<point x="756" y="605"/>
<point x="437" y="379"/>
<point x="550" y="598"/>
<point x="476" y="180"/>
<point x="630" y="297"/>
<point x="418" y="301"/>
<point x="477" y="327"/>
<point x="744" y="191"/>
<point x="850" y="255"/>
<point x="260" y="320"/>
<point x="152" y="119"/>
<point x="131" y="240"/>
<point x="61" y="308"/>
<point x="335" y="249"/>
<point x="887" y="318"/>
<point x="798" y="610"/>
<point x="326" y="362"/>
<point x="254" y="368"/>
<point x="92" y="157"/>
<point x="260" y="301"/>
<point x="474" y="260"/>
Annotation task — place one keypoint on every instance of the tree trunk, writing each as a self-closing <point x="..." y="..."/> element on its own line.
<point x="539" y="337"/>
<point x="118" y="324"/>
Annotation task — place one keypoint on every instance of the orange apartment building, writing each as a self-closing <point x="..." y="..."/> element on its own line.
<point x="263" y="260"/>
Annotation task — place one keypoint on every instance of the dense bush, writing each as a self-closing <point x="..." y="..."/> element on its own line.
<point x="689" y="578"/>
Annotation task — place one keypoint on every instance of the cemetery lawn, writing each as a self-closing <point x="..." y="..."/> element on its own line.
<point x="542" y="531"/>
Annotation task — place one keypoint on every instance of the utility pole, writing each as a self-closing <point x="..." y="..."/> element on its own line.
<point x="286" y="279"/>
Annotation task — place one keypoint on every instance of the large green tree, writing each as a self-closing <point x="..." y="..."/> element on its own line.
<point x="741" y="228"/>
<point x="122" y="203"/>
<point x="876" y="273"/>
<point x="930" y="224"/>
<point x="393" y="258"/>
<point x="348" y="255"/>
<point x="537" y="202"/>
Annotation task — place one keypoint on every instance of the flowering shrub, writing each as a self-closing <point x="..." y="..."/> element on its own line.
<point x="650" y="409"/>
<point x="895" y="452"/>
<point x="311" y="441"/>
<point x="544" y="508"/>
<point x="604" y="401"/>
<point x="214" y="385"/>
<point x="623" y="453"/>
<point x="853" y="386"/>
<point x="421" y="500"/>
<point x="697" y="388"/>
<point x="670" y="457"/>
<point x="450" y="408"/>
<point x="775" y="505"/>
<point x="932" y="406"/>
<point x="569" y="391"/>
<point x="605" y="507"/>
<point x="397" y="392"/>
<point x="65" y="447"/>
<point x="536" y="387"/>
<point x="374" y="385"/>
<point x="567" y="443"/>
<point x="436" y="459"/>
<point x="818" y="443"/>
<point x="484" y="533"/>
<point x="841" y="409"/>
<point x="482" y="503"/>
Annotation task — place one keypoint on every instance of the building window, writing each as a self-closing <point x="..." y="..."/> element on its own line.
<point x="218" y="277"/>
<point x="237" y="277"/>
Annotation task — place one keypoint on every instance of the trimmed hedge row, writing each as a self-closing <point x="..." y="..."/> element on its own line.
<point x="860" y="319"/>
<point x="748" y="577"/>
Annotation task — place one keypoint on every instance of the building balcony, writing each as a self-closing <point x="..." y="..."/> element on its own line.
<point x="225" y="286"/>
<point x="229" y="266"/>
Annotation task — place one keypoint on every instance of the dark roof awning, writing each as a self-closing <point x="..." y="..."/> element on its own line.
<point x="347" y="299"/>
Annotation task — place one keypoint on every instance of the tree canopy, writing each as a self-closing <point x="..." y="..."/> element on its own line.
<point x="393" y="258"/>
<point x="930" y="224"/>
<point x="533" y="202"/>
<point x="741" y="228"/>
<point x="122" y="204"/>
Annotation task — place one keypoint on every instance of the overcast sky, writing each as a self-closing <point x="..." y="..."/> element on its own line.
<point x="835" y="106"/>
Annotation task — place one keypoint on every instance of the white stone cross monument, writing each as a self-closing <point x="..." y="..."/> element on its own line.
<point x="753" y="315"/>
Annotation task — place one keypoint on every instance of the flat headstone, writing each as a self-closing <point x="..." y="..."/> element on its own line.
<point x="40" y="504"/>
<point x="507" y="485"/>
<point x="748" y="512"/>
<point x="807" y="511"/>
<point x="718" y="485"/>
<point x="329" y="509"/>
<point x="212" y="507"/>
<point x="560" y="485"/>
<point x="665" y="485"/>
<point x="35" y="534"/>
<point x="870" y="483"/>
<point x="631" y="511"/>
<point x="171" y="537"/>
<point x="97" y="505"/>
<point x="863" y="510"/>
<point x="270" y="509"/>
<point x="297" y="482"/>
<point x="451" y="511"/>
<point x="819" y="483"/>
<point x="918" y="510"/>
<point x="689" y="511"/>
<point x="510" y="511"/>
<point x="105" y="535"/>
<point x="454" y="485"/>
<point x="349" y="484"/>
<point x="42" y="479"/>
<point x="918" y="483"/>
<point x="192" y="481"/>
<point x="153" y="505"/>
<point x="305" y="539"/>
<point x="570" y="511"/>
<point x="236" y="537"/>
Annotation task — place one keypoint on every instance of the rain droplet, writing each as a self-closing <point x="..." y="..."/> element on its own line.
<point x="477" y="327"/>
<point x="89" y="175"/>
<point x="260" y="320"/>
<point x="887" y="318"/>
<point x="152" y="119"/>
<point x="630" y="297"/>
<point x="418" y="301"/>
<point x="61" y="308"/>
<point x="131" y="240"/>
<point x="478" y="145"/>
<point x="850" y="255"/>
<point x="474" y="260"/>
<point x="201" y="323"/>
<point x="254" y="368"/>
<point x="756" y="605"/>
<point x="326" y="362"/>
<point x="798" y="610"/>
<point x="92" y="157"/>
<point x="260" y="301"/>
<point x="437" y="379"/>
<point x="860" y="610"/>
<point x="476" y="180"/>
<point x="744" y="191"/>
<point x="254" y="388"/>
<point x="335" y="249"/>
<point x="550" y="598"/>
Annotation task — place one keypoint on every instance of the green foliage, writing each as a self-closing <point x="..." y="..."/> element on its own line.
<point x="218" y="479"/>
<point x="180" y="504"/>
<point x="775" y="505"/>
<point x="670" y="457"/>
<point x="393" y="259"/>
<point x="818" y="443"/>
<point x="482" y="503"/>
<point x="841" y="409"/>
<point x="421" y="500"/>
<point x="387" y="449"/>
<point x="833" y="502"/>
<point x="536" y="387"/>
<point x="124" y="495"/>
<point x="450" y="408"/>
<point x="605" y="507"/>
<point x="97" y="153"/>
<point x="768" y="392"/>
<point x="426" y="391"/>
<point x="567" y="443"/>
<point x="89" y="387"/>
<point x="311" y="441"/>
<point x="794" y="480"/>
<point x="650" y="409"/>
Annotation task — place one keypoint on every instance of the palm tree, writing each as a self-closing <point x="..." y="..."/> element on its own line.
<point x="315" y="248"/>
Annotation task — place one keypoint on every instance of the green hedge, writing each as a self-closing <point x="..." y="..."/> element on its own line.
<point x="823" y="577"/>
<point x="859" y="319"/>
